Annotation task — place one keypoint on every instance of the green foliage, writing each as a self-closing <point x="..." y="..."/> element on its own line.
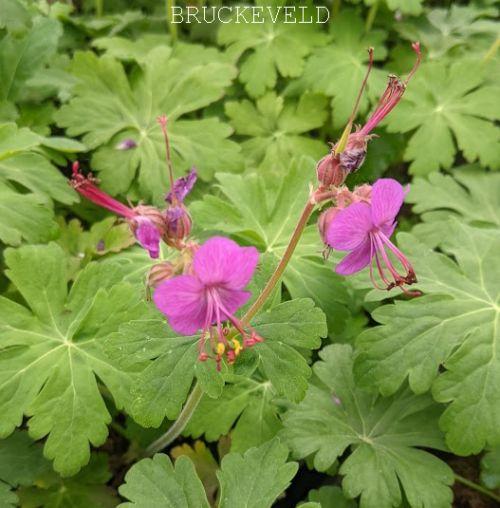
<point x="253" y="480"/>
<point x="108" y="108"/>
<point x="27" y="215"/>
<point x="455" y="325"/>
<point x="383" y="434"/>
<point x="273" y="49"/>
<point x="276" y="129"/>
<point x="52" y="352"/>
<point x="20" y="58"/>
<point x="253" y="106"/>
<point x="460" y="29"/>
<point x="163" y="383"/>
<point x="449" y="106"/>
<point x="247" y="402"/>
<point x="337" y="69"/>
<point x="328" y="497"/>
<point x="490" y="469"/>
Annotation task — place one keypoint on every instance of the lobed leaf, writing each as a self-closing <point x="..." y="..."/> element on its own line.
<point x="383" y="434"/>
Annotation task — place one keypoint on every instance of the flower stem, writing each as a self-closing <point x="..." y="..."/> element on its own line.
<point x="372" y="14"/>
<point x="197" y="393"/>
<point x="477" y="487"/>
<point x="179" y="425"/>
<point x="172" y="27"/>
<point x="278" y="272"/>
<point x="99" y="8"/>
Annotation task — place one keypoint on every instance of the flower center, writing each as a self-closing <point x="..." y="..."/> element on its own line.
<point x="217" y="336"/>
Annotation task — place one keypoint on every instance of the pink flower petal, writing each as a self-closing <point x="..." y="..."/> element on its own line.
<point x="182" y="300"/>
<point x="350" y="227"/>
<point x="232" y="300"/>
<point x="355" y="260"/>
<point x="387" y="198"/>
<point x="220" y="261"/>
<point x="148" y="236"/>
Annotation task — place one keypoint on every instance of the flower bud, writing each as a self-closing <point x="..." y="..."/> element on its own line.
<point x="330" y="172"/>
<point x="325" y="219"/>
<point x="352" y="158"/>
<point x="178" y="225"/>
<point x="151" y="213"/>
<point x="159" y="273"/>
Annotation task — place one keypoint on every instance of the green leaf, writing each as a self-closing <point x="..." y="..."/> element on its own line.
<point x="155" y="483"/>
<point x="8" y="499"/>
<point x="21" y="57"/>
<point x="382" y="433"/>
<point x="329" y="497"/>
<point x="449" y="108"/>
<point x="164" y="383"/>
<point x="24" y="216"/>
<point x="413" y="7"/>
<point x="21" y="460"/>
<point x="205" y="464"/>
<point x="51" y="352"/>
<point x="473" y="195"/>
<point x="276" y="128"/>
<point x="168" y="361"/>
<point x="461" y="29"/>
<point x="125" y="49"/>
<point x="490" y="469"/>
<point x="108" y="107"/>
<point x="246" y="402"/>
<point x="453" y="328"/>
<point x="28" y="183"/>
<point x="256" y="479"/>
<point x="253" y="480"/>
<point x="290" y="325"/>
<point x="337" y="70"/>
<point x="269" y="227"/>
<point x="272" y="49"/>
<point x="13" y="15"/>
<point x="88" y="488"/>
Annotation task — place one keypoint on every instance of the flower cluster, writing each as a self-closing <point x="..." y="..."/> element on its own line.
<point x="363" y="220"/>
<point x="204" y="286"/>
<point x="348" y="154"/>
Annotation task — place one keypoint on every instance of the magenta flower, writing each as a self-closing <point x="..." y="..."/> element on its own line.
<point x="146" y="222"/>
<point x="364" y="230"/>
<point x="212" y="294"/>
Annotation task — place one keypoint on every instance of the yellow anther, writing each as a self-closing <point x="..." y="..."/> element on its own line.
<point x="236" y="346"/>
<point x="220" y="348"/>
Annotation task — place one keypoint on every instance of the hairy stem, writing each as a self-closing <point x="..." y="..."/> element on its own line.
<point x="477" y="487"/>
<point x="278" y="272"/>
<point x="196" y="394"/>
<point x="179" y="425"/>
